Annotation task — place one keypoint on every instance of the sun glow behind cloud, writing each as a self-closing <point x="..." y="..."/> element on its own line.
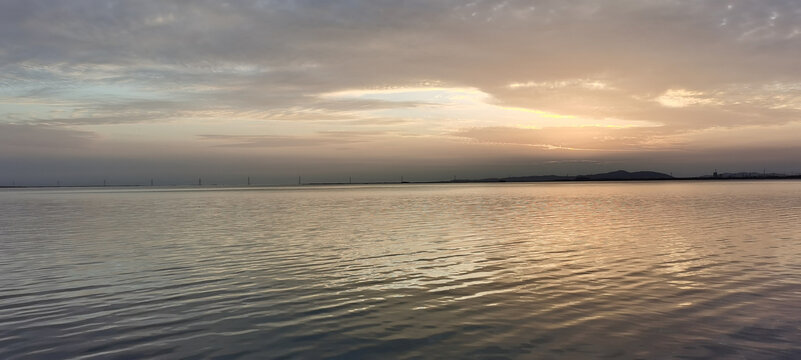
<point x="449" y="109"/>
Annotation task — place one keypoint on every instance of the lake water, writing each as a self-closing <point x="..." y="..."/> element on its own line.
<point x="548" y="270"/>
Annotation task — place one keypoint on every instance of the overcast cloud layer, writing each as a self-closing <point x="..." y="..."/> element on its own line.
<point x="175" y="90"/>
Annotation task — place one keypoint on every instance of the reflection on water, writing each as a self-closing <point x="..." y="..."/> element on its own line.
<point x="587" y="270"/>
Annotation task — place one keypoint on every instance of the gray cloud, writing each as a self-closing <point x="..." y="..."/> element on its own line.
<point x="22" y="138"/>
<point x="581" y="138"/>
<point x="271" y="141"/>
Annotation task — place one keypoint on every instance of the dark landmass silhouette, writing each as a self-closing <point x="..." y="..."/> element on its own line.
<point x="622" y="175"/>
<point x="613" y="176"/>
<point x="618" y="175"/>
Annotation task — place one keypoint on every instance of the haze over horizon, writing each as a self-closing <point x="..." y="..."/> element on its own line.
<point x="174" y="90"/>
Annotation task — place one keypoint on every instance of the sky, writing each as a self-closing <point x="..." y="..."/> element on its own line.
<point x="129" y="91"/>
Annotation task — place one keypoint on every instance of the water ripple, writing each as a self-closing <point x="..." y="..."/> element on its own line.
<point x="596" y="270"/>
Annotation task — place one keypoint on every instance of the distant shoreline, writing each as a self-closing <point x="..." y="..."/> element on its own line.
<point x="789" y="177"/>
<point x="619" y="175"/>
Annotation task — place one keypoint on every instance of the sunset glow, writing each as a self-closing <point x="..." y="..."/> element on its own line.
<point x="92" y="89"/>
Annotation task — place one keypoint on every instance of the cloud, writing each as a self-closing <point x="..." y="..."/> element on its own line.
<point x="23" y="138"/>
<point x="268" y="141"/>
<point x="257" y="54"/>
<point x="678" y="98"/>
<point x="587" y="138"/>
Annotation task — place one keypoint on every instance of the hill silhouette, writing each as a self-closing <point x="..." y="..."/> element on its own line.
<point x="625" y="175"/>
<point x="614" y="175"/>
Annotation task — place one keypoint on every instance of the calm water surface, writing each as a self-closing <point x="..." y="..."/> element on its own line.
<point x="572" y="270"/>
